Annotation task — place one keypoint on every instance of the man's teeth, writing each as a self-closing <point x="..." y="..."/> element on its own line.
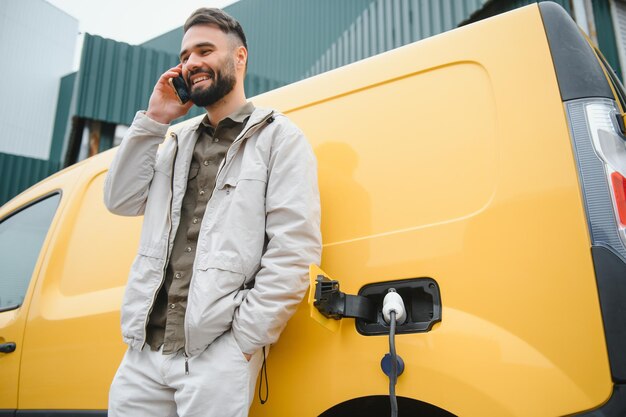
<point x="197" y="80"/>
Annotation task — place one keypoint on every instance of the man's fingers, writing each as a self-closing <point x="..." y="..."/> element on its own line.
<point x="171" y="73"/>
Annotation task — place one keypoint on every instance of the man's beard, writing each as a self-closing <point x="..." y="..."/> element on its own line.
<point x="222" y="84"/>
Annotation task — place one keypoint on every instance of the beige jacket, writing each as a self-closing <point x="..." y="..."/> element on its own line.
<point x="261" y="228"/>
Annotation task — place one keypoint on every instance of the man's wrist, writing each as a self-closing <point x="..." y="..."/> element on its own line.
<point x="158" y="117"/>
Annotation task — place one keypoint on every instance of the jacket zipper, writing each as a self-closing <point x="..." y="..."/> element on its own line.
<point x="167" y="250"/>
<point x="248" y="133"/>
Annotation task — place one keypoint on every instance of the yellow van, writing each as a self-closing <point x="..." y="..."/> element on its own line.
<point x="480" y="173"/>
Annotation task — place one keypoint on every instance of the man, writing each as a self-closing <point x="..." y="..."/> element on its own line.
<point x="231" y="223"/>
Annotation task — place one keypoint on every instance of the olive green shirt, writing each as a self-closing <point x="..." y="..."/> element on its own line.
<point x="166" y="322"/>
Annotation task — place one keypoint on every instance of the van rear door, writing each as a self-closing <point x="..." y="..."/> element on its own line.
<point x="594" y="100"/>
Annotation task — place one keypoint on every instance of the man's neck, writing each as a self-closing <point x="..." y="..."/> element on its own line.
<point x="220" y="110"/>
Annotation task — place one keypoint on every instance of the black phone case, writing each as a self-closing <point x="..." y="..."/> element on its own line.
<point x="180" y="87"/>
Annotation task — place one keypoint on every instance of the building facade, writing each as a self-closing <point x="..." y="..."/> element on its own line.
<point x="38" y="40"/>
<point x="289" y="40"/>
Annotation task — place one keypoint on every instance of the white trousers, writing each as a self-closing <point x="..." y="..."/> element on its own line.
<point x="220" y="383"/>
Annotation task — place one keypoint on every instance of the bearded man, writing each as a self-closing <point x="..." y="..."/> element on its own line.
<point x="231" y="223"/>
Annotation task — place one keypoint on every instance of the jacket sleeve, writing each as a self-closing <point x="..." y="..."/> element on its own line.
<point x="130" y="174"/>
<point x="294" y="242"/>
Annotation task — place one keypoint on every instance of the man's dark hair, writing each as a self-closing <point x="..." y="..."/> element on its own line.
<point x="219" y="18"/>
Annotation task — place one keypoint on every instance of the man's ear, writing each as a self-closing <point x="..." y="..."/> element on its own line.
<point x="241" y="56"/>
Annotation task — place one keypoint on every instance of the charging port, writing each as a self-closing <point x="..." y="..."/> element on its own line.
<point x="422" y="301"/>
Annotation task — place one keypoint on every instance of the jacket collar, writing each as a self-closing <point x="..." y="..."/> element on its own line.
<point x="257" y="115"/>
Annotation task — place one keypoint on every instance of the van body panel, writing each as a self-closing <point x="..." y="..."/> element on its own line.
<point x="522" y="236"/>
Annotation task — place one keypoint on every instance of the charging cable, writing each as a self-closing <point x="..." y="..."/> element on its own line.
<point x="393" y="313"/>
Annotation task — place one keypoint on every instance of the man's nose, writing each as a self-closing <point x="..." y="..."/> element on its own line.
<point x="192" y="63"/>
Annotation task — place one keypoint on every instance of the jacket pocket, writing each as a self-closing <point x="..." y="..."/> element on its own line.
<point x="221" y="261"/>
<point x="253" y="173"/>
<point x="214" y="295"/>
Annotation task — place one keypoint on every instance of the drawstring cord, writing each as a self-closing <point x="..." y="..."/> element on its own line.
<point x="264" y="374"/>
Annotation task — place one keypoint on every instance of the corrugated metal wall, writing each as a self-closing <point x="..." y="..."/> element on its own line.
<point x="619" y="23"/>
<point x="388" y="24"/>
<point x="17" y="173"/>
<point x="64" y="102"/>
<point x="606" y="34"/>
<point x="116" y="79"/>
<point x="285" y="37"/>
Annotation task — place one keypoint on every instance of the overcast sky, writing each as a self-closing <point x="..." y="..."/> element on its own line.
<point x="131" y="21"/>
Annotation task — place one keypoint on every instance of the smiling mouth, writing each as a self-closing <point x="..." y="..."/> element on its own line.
<point x="200" y="79"/>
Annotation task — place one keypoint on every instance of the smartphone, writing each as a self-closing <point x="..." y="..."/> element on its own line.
<point x="180" y="88"/>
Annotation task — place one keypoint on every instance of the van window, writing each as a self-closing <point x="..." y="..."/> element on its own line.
<point x="21" y="236"/>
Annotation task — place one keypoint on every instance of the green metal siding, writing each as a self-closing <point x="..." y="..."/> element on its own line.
<point x="64" y="102"/>
<point x="116" y="79"/>
<point x="17" y="173"/>
<point x="606" y="34"/>
<point x="314" y="37"/>
<point x="285" y="37"/>
<point x="388" y="24"/>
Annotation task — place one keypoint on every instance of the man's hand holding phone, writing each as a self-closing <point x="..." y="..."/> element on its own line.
<point x="165" y="105"/>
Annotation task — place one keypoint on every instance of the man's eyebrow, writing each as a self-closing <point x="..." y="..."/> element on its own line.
<point x="198" y="45"/>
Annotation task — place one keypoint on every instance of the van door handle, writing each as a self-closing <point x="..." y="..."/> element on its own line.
<point x="7" y="347"/>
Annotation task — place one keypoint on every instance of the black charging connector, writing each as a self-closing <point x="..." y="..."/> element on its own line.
<point x="334" y="304"/>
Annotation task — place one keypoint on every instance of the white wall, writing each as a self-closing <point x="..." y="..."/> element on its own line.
<point x="37" y="43"/>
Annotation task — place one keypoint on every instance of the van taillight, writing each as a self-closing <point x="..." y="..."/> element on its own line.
<point x="600" y="150"/>
<point x="619" y="192"/>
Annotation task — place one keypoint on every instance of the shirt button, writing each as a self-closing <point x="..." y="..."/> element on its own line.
<point x="178" y="275"/>
<point x="172" y="305"/>
<point x="188" y="249"/>
<point x="201" y="192"/>
<point x="205" y="163"/>
<point x="216" y="139"/>
<point x="195" y="220"/>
